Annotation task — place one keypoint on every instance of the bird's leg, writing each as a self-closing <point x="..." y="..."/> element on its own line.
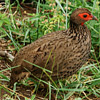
<point x="15" y="77"/>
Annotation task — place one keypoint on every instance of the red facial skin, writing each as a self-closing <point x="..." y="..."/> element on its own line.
<point x="88" y="17"/>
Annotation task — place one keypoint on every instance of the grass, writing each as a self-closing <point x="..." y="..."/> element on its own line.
<point x="50" y="17"/>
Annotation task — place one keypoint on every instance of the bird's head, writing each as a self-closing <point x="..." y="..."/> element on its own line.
<point x="81" y="15"/>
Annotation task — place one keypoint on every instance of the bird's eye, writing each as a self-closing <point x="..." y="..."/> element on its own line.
<point x="84" y="16"/>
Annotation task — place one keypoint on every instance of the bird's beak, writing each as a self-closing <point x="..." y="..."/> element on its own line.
<point x="94" y="18"/>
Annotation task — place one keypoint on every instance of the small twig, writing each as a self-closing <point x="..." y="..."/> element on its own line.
<point x="2" y="3"/>
<point x="40" y="98"/>
<point x="14" y="91"/>
<point x="6" y="55"/>
<point x="28" y="4"/>
<point x="86" y="96"/>
<point x="14" y="13"/>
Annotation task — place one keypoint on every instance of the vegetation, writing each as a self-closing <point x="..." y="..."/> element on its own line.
<point x="22" y="27"/>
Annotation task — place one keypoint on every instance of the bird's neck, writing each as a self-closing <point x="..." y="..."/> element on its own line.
<point x="74" y="25"/>
<point x="78" y="32"/>
<point x="77" y="28"/>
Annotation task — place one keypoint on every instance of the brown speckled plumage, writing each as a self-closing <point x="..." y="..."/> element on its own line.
<point x="69" y="50"/>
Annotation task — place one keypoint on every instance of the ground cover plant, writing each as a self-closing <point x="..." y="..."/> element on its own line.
<point x="20" y="26"/>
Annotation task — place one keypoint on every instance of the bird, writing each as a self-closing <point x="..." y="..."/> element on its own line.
<point x="62" y="52"/>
